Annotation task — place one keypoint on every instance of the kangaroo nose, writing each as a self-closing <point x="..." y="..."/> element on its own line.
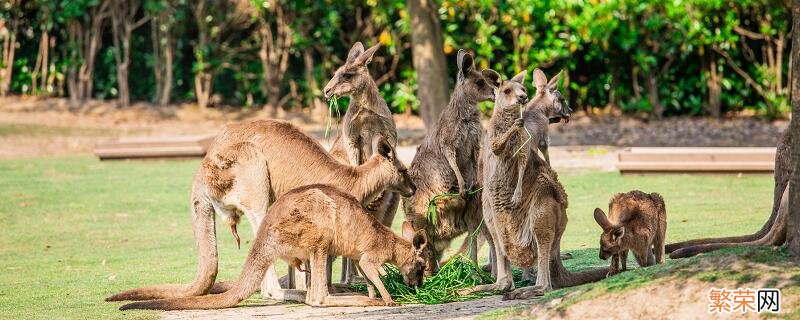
<point x="523" y="97"/>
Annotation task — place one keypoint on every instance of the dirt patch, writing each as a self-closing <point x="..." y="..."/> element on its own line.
<point x="681" y="295"/>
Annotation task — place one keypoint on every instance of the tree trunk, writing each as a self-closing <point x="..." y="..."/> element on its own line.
<point x="428" y="59"/>
<point x="714" y="88"/>
<point x="7" y="62"/>
<point x="274" y="54"/>
<point x="652" y="95"/>
<point x="162" y="39"/>
<point x="793" y="223"/>
<point x="318" y="109"/>
<point x="202" y="78"/>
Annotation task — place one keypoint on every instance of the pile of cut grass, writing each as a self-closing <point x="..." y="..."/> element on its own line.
<point x="458" y="273"/>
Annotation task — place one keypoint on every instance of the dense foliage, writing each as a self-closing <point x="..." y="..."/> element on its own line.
<point x="664" y="57"/>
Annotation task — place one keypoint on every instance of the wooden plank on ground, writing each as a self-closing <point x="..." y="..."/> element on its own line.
<point x="718" y="160"/>
<point x="154" y="147"/>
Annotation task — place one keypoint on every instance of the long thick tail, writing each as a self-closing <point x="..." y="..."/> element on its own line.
<point x="782" y="169"/>
<point x="258" y="260"/>
<point x="563" y="278"/>
<point x="775" y="236"/>
<point x="206" y="243"/>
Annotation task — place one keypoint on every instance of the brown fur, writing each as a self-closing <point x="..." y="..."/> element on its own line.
<point x="536" y="117"/>
<point x="367" y="117"/>
<point x="447" y="159"/>
<point x="527" y="233"/>
<point x="248" y="167"/>
<point x="308" y="224"/>
<point x="771" y="233"/>
<point x="637" y="221"/>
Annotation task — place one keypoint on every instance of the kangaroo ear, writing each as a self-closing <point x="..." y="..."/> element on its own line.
<point x="520" y="77"/>
<point x="420" y="240"/>
<point x="553" y="84"/>
<point x="492" y="76"/>
<point x="601" y="219"/>
<point x="465" y="62"/>
<point x="408" y="231"/>
<point x="366" y="57"/>
<point x="618" y="233"/>
<point x="380" y="146"/>
<point x="355" y="51"/>
<point x="539" y="79"/>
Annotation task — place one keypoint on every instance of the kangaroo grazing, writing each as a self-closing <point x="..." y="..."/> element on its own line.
<point x="527" y="233"/>
<point x="367" y="117"/>
<point x="249" y="166"/>
<point x="447" y="161"/>
<point x="536" y="119"/>
<point x="637" y="221"/>
<point x="773" y="231"/>
<point x="309" y="224"/>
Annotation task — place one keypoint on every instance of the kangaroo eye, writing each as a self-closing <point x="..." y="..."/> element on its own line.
<point x="347" y="76"/>
<point x="508" y="91"/>
<point x="480" y="83"/>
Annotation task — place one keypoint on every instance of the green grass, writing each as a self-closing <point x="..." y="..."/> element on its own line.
<point x="76" y="230"/>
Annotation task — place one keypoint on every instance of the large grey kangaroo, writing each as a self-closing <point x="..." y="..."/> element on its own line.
<point x="447" y="162"/>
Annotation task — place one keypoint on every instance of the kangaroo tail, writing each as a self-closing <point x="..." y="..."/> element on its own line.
<point x="261" y="256"/>
<point x="782" y="169"/>
<point x="563" y="278"/>
<point x="206" y="243"/>
<point x="775" y="236"/>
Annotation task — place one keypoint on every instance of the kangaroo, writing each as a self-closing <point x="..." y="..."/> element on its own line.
<point x="536" y="119"/>
<point x="447" y="160"/>
<point x="286" y="158"/>
<point x="527" y="233"/>
<point x="308" y="224"/>
<point x="764" y="236"/>
<point x="637" y="221"/>
<point x="367" y="117"/>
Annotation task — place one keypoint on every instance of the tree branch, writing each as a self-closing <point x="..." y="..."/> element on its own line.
<point x="741" y="72"/>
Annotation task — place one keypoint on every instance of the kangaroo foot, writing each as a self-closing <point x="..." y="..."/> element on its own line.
<point x="566" y="256"/>
<point x="486" y="287"/>
<point x="525" y="293"/>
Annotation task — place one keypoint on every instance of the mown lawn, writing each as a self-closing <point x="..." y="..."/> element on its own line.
<point x="76" y="230"/>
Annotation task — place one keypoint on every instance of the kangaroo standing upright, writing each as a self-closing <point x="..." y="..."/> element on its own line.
<point x="367" y="117"/>
<point x="308" y="224"/>
<point x="447" y="161"/>
<point x="636" y="221"/>
<point x="249" y="166"/>
<point x="527" y="233"/>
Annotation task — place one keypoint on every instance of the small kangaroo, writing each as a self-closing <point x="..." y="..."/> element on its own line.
<point x="536" y="118"/>
<point x="367" y="117"/>
<point x="308" y="224"/>
<point x="249" y="166"/>
<point x="637" y="221"/>
<point x="527" y="233"/>
<point x="447" y="161"/>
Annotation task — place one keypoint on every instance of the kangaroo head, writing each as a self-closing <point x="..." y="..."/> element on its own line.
<point x="352" y="77"/>
<point x="398" y="180"/>
<point x="511" y="92"/>
<point x="413" y="269"/>
<point x="477" y="86"/>
<point x="611" y="239"/>
<point x="548" y="97"/>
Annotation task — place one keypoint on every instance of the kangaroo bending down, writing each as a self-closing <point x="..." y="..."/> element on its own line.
<point x="637" y="221"/>
<point x="528" y="233"/>
<point x="308" y="224"/>
<point x="367" y="117"/>
<point x="249" y="166"/>
<point x="447" y="162"/>
<point x="773" y="232"/>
